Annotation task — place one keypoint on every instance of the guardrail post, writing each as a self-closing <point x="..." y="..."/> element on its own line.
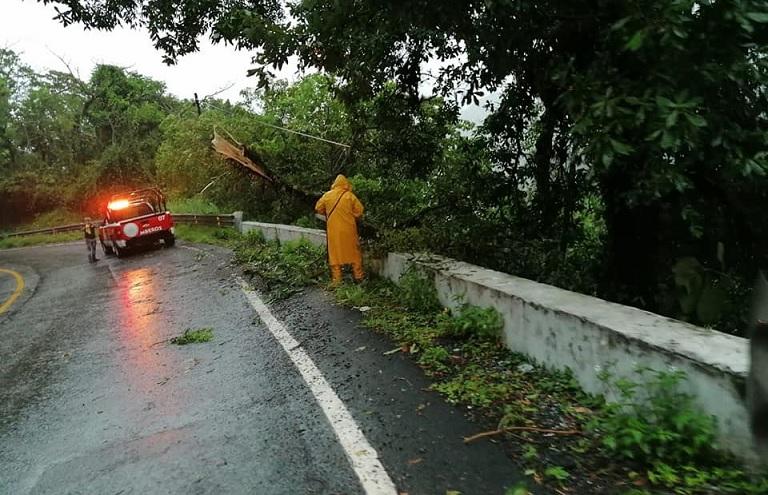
<point x="238" y="217"/>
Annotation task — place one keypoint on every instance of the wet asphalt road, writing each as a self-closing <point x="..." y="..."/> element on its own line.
<point x="94" y="400"/>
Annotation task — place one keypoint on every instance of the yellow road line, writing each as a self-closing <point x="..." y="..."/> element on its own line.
<point x="16" y="293"/>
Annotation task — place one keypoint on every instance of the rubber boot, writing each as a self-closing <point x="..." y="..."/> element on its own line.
<point x="357" y="272"/>
<point x="335" y="275"/>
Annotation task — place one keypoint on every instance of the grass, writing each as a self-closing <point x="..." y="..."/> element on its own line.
<point x="53" y="218"/>
<point x="39" y="239"/>
<point x="218" y="236"/>
<point x="194" y="205"/>
<point x="193" y="336"/>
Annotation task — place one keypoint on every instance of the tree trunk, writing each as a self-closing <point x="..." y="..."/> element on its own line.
<point x="632" y="268"/>
<point x="544" y="204"/>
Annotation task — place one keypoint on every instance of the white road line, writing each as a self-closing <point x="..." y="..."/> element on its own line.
<point x="362" y="456"/>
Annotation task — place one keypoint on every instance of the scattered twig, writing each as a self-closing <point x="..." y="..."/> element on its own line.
<point x="519" y="428"/>
<point x="393" y="351"/>
<point x="159" y="342"/>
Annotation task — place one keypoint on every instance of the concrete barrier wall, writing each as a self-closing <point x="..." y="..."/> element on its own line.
<point x="562" y="329"/>
<point x="284" y="233"/>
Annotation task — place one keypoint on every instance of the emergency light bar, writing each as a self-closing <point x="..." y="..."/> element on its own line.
<point x="118" y="204"/>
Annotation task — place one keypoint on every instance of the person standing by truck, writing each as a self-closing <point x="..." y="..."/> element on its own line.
<point x="89" y="231"/>
<point x="342" y="210"/>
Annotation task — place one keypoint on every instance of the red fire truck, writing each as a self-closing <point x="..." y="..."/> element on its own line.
<point x="136" y="218"/>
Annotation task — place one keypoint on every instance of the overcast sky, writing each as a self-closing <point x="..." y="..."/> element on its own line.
<point x="28" y="28"/>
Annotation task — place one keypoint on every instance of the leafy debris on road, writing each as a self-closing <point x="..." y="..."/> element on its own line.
<point x="284" y="269"/>
<point x="193" y="336"/>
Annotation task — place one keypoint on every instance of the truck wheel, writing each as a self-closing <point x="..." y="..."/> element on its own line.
<point x="119" y="252"/>
<point x="108" y="251"/>
<point x="169" y="240"/>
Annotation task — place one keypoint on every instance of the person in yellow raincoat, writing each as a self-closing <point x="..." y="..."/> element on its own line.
<point x="342" y="209"/>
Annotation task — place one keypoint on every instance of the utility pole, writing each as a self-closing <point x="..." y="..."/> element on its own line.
<point x="197" y="104"/>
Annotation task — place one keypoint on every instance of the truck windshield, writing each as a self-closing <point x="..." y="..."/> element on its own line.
<point x="131" y="211"/>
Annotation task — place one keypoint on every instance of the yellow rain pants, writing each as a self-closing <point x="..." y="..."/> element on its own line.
<point x="342" y="209"/>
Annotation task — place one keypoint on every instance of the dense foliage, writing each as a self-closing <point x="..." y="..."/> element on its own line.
<point x="65" y="139"/>
<point x="624" y="153"/>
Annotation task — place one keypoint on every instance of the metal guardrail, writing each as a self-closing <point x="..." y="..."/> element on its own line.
<point x="51" y="230"/>
<point x="218" y="220"/>
<point x="183" y="218"/>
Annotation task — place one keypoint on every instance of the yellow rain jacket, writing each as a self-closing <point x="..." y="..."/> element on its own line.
<point x="341" y="209"/>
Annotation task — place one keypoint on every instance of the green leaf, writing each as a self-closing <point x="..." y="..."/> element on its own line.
<point x="636" y="41"/>
<point x="557" y="472"/>
<point x="621" y="148"/>
<point x="672" y="118"/>
<point x="607" y="158"/>
<point x="668" y="140"/>
<point x="761" y="17"/>
<point x="696" y="120"/>
<point x="654" y="135"/>
<point x="518" y="489"/>
<point x="620" y="23"/>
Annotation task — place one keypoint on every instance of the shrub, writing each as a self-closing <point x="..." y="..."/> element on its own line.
<point x="664" y="426"/>
<point x="435" y="358"/>
<point x="309" y="222"/>
<point x="284" y="268"/>
<point x="417" y="292"/>
<point x="352" y="295"/>
<point x="471" y="320"/>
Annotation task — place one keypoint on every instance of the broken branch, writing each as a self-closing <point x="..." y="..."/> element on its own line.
<point x="519" y="428"/>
